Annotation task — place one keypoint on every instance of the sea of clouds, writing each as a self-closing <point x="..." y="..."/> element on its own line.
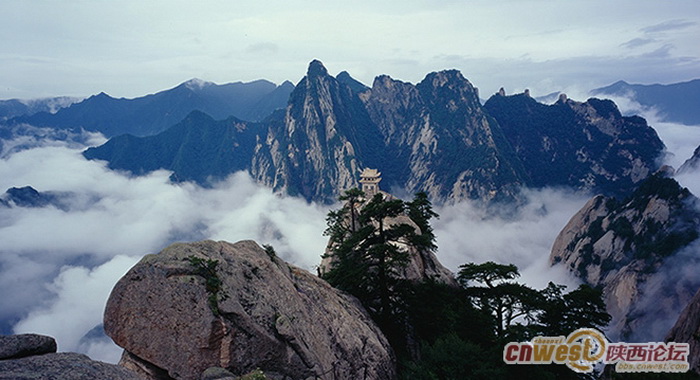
<point x="59" y="264"/>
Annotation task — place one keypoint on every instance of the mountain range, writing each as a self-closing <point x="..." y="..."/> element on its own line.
<point x="677" y="102"/>
<point x="151" y="114"/>
<point x="312" y="140"/>
<point x="18" y="107"/>
<point x="434" y="136"/>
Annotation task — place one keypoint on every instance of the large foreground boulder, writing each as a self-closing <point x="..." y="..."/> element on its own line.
<point x="239" y="307"/>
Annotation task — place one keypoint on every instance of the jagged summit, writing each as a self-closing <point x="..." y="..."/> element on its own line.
<point x="586" y="145"/>
<point x="355" y="85"/>
<point x="452" y="80"/>
<point x="434" y="136"/>
<point x="446" y="76"/>
<point x="691" y="164"/>
<point x="316" y="68"/>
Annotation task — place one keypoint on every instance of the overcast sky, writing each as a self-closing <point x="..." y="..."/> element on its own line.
<point x="130" y="48"/>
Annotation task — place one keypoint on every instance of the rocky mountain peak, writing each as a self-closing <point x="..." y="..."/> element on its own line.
<point x="586" y="145"/>
<point x="434" y="137"/>
<point x="355" y="85"/>
<point x="595" y="109"/>
<point x="691" y="164"/>
<point x="324" y="129"/>
<point x="197" y="84"/>
<point x="449" y="84"/>
<point x="391" y="93"/>
<point x="622" y="245"/>
<point x="316" y="69"/>
<point x="446" y="77"/>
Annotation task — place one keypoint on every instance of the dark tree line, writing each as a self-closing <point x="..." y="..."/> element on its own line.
<point x="439" y="331"/>
<point x="369" y="250"/>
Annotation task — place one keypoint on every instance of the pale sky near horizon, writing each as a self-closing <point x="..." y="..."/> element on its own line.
<point x="131" y="48"/>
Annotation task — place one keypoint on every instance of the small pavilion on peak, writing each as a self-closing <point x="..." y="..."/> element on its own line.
<point x="370" y="179"/>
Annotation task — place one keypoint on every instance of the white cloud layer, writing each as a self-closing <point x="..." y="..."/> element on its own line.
<point x="466" y="233"/>
<point x="57" y="266"/>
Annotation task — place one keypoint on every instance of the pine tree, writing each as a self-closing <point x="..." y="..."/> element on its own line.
<point x="420" y="210"/>
<point x="367" y="252"/>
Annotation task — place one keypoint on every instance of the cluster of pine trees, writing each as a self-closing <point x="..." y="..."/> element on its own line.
<point x="440" y="331"/>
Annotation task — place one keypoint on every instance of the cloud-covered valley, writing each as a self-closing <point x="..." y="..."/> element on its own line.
<point x="58" y="264"/>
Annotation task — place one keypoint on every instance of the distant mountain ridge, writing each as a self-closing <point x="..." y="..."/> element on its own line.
<point x="584" y="145"/>
<point x="196" y="149"/>
<point x="20" y="107"/>
<point x="677" y="102"/>
<point x="151" y="114"/>
<point x="434" y="136"/>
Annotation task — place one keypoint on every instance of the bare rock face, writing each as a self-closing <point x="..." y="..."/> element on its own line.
<point x="433" y="136"/>
<point x="629" y="249"/>
<point x="324" y="139"/>
<point x="33" y="356"/>
<point x="423" y="264"/>
<point x="253" y="311"/>
<point x="63" y="365"/>
<point x="447" y="145"/>
<point x="691" y="164"/>
<point x="19" y="346"/>
<point x="687" y="330"/>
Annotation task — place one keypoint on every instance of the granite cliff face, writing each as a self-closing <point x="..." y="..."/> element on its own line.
<point x="446" y="144"/>
<point x="588" y="146"/>
<point x="433" y="136"/>
<point x="630" y="249"/>
<point x="692" y="164"/>
<point x="687" y="330"/>
<point x="175" y="318"/>
<point x="324" y="140"/>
